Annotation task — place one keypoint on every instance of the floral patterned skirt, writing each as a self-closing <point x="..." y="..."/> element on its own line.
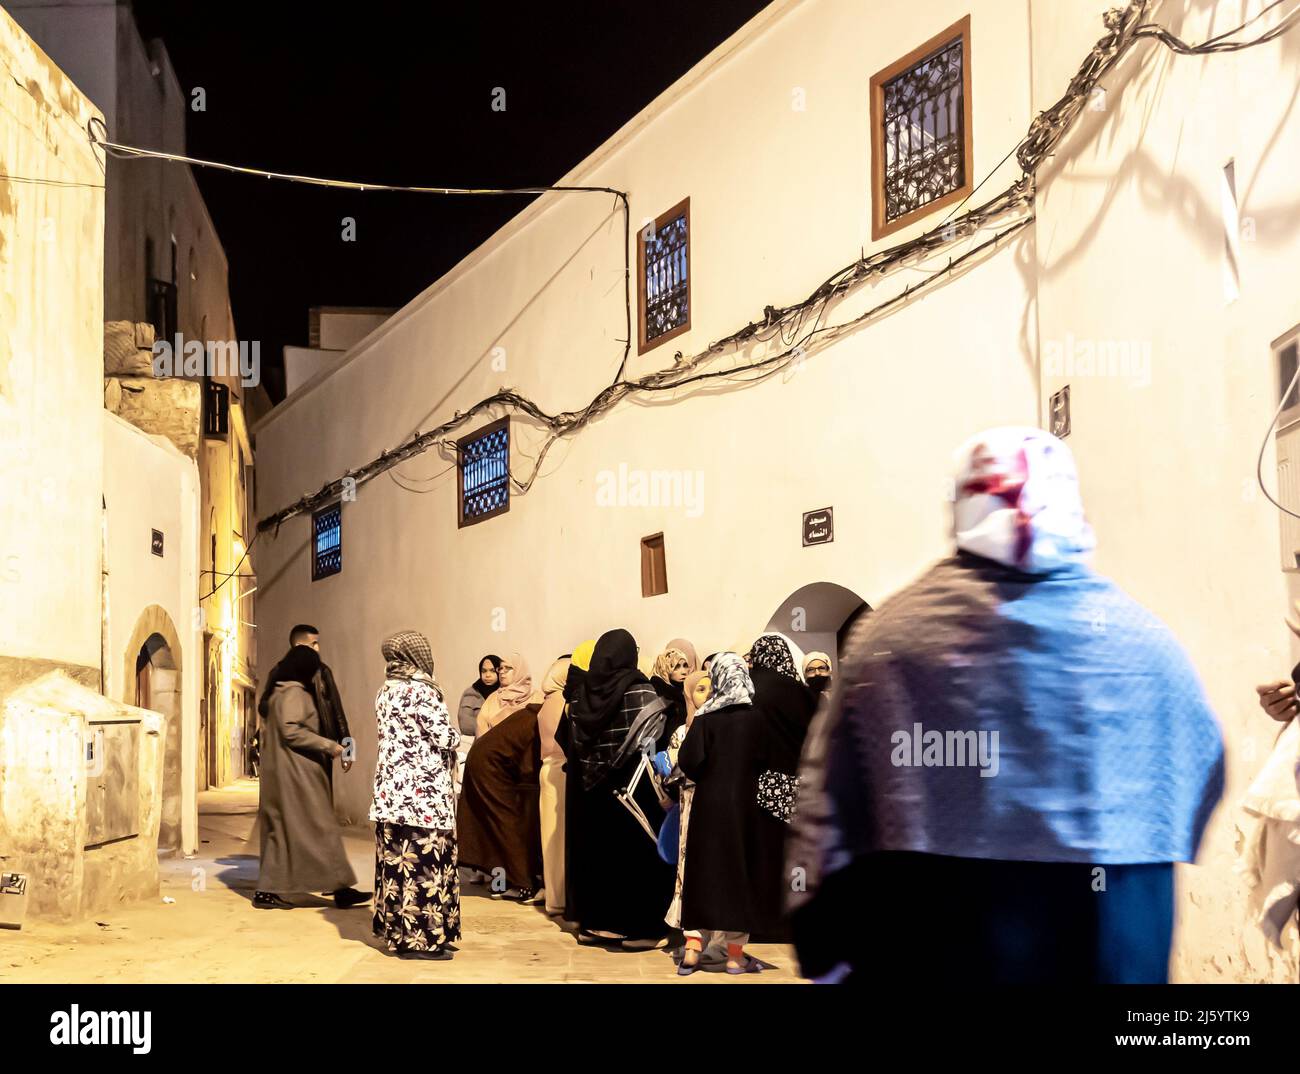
<point x="417" y="889"/>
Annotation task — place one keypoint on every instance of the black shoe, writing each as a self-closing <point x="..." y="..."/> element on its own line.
<point x="266" y="900"/>
<point x="346" y="898"/>
<point x="437" y="954"/>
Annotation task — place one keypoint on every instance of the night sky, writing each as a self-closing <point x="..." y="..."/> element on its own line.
<point x="401" y="93"/>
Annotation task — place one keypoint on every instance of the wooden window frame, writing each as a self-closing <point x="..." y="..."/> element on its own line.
<point x="478" y="434"/>
<point x="682" y="208"/>
<point x="316" y="574"/>
<point x="648" y="546"/>
<point x="879" y="228"/>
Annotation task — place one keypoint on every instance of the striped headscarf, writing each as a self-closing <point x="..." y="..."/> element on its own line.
<point x="729" y="683"/>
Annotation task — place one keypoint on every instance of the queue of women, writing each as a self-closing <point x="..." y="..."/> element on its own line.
<point x="633" y="806"/>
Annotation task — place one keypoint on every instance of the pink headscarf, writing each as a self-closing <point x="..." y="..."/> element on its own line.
<point x="1017" y="501"/>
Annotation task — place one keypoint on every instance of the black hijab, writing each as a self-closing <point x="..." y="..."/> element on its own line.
<point x="299" y="666"/>
<point x="788" y="706"/>
<point x="612" y="673"/>
<point x="483" y="688"/>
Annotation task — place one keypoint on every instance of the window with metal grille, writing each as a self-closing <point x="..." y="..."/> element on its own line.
<point x="484" y="464"/>
<point x="922" y="153"/>
<point x="654" y="567"/>
<point x="216" y="409"/>
<point x="664" y="260"/>
<point x="327" y="542"/>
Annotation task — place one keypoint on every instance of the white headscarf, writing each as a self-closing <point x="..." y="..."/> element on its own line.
<point x="730" y="684"/>
<point x="1017" y="501"/>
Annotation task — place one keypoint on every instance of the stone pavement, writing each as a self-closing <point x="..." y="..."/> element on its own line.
<point x="211" y="934"/>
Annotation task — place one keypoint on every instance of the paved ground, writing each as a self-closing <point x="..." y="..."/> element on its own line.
<point x="210" y="933"/>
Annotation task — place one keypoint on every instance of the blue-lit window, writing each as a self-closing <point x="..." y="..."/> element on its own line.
<point x="327" y="542"/>
<point x="664" y="257"/>
<point x="484" y="473"/>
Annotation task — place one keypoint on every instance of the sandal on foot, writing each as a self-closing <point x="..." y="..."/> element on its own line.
<point x="747" y="964"/>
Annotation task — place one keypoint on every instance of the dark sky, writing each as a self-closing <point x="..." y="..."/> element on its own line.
<point x="401" y="93"/>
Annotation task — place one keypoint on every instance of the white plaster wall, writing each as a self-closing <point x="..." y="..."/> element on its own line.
<point x="779" y="200"/>
<point x="341" y="329"/>
<point x="302" y="364"/>
<point x="1130" y="248"/>
<point x="148" y="485"/>
<point x="51" y="361"/>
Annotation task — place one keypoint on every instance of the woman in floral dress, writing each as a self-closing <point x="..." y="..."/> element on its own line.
<point x="417" y="891"/>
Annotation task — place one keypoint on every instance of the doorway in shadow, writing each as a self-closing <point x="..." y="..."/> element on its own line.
<point x="817" y="616"/>
<point x="157" y="687"/>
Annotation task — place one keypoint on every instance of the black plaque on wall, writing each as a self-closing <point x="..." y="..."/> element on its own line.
<point x="819" y="526"/>
<point x="156" y="544"/>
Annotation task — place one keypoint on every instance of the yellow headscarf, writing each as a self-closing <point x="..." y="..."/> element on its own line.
<point x="581" y="658"/>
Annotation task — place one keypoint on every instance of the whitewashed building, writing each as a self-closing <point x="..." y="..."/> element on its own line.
<point x="1151" y="274"/>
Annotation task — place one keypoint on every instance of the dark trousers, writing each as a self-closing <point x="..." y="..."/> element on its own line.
<point x="927" y="919"/>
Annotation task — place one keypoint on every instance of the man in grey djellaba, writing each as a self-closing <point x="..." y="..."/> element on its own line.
<point x="301" y="845"/>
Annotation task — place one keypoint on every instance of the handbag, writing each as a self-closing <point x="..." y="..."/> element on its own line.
<point x="777" y="794"/>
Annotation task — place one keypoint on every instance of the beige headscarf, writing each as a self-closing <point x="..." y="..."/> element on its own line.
<point x="687" y="650"/>
<point x="692" y="681"/>
<point x="548" y="716"/>
<point x="677" y="649"/>
<point x="505" y="701"/>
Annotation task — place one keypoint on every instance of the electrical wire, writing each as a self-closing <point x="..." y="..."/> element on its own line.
<point x="1259" y="463"/>
<point x="233" y="574"/>
<point x="48" y="182"/>
<point x="1124" y="26"/>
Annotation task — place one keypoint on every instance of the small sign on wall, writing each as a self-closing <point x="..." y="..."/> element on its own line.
<point x="156" y="543"/>
<point x="1058" y="421"/>
<point x="819" y="526"/>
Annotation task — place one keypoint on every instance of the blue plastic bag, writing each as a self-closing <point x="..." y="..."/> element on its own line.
<point x="670" y="832"/>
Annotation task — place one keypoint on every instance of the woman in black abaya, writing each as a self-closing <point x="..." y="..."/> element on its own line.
<point x="620" y="886"/>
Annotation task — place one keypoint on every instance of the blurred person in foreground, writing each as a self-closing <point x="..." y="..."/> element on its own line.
<point x="1014" y="755"/>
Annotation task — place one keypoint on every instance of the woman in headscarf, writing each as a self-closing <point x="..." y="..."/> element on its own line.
<point x="668" y="678"/>
<point x="471" y="701"/>
<point x="551" y="797"/>
<point x="720" y="883"/>
<point x="697" y="687"/>
<point x="497" y="820"/>
<point x="577" y="675"/>
<point x="1011" y="659"/>
<point x="817" y="672"/>
<point x="417" y="903"/>
<point x="514" y="691"/>
<point x="783" y="707"/>
<point x="301" y="846"/>
<point x="620" y="884"/>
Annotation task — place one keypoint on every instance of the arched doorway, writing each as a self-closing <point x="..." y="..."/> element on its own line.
<point x="153" y="681"/>
<point x="816" y="616"/>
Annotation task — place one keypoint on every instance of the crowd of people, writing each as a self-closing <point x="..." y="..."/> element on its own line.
<point x="585" y="793"/>
<point x="995" y="775"/>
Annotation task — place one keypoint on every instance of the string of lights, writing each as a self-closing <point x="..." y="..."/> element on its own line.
<point x="1124" y="28"/>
